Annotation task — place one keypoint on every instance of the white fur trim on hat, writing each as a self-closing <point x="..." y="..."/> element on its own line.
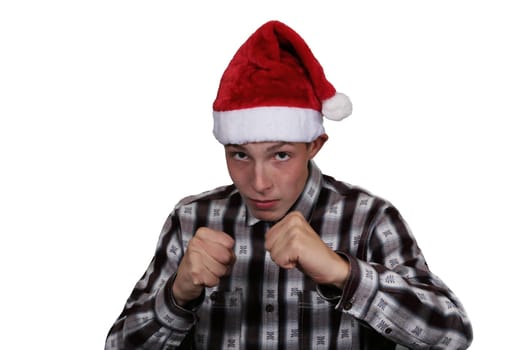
<point x="261" y="124"/>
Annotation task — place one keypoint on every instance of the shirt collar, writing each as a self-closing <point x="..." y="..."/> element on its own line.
<point x="306" y="201"/>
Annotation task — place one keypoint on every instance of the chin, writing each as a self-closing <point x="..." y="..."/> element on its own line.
<point x="268" y="216"/>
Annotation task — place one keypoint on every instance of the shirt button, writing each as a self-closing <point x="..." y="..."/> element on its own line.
<point x="269" y="308"/>
<point x="347" y="305"/>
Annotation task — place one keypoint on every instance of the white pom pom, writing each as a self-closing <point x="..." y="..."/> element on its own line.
<point x="337" y="107"/>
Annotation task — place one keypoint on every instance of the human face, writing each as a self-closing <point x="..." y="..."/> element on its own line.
<point x="270" y="176"/>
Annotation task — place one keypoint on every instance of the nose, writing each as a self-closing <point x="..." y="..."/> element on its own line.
<point x="261" y="180"/>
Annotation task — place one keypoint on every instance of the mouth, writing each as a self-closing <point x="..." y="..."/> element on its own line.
<point x="264" y="204"/>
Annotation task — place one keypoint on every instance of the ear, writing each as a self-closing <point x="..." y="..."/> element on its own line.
<point x="316" y="145"/>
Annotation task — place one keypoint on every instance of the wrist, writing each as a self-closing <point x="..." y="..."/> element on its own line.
<point x="181" y="299"/>
<point x="343" y="271"/>
<point x="333" y="292"/>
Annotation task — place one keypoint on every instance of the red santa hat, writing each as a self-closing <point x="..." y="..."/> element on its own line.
<point x="274" y="89"/>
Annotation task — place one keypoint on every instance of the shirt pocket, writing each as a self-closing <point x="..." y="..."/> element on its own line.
<point x="223" y="309"/>
<point x="314" y="315"/>
<point x="321" y="326"/>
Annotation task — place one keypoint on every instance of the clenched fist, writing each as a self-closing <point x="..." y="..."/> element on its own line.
<point x="293" y="243"/>
<point x="209" y="257"/>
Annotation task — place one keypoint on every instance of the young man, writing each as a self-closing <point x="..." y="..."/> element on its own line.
<point x="285" y="257"/>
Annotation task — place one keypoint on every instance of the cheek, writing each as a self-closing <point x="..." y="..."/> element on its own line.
<point x="237" y="174"/>
<point x="293" y="179"/>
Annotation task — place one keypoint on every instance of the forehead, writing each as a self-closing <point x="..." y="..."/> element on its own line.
<point x="264" y="146"/>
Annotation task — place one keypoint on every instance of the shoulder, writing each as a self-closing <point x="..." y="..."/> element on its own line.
<point x="348" y="192"/>
<point x="217" y="194"/>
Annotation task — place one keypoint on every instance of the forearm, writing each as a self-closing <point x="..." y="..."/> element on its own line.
<point x="151" y="324"/>
<point x="417" y="312"/>
<point x="151" y="317"/>
<point x="391" y="289"/>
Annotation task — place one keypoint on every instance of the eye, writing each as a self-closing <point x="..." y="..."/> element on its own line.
<point x="282" y="156"/>
<point x="239" y="155"/>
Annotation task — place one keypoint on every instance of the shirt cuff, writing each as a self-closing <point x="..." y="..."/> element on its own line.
<point x="172" y="315"/>
<point x="359" y="289"/>
<point x="331" y="293"/>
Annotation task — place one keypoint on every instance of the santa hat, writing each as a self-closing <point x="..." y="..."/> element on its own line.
<point x="274" y="89"/>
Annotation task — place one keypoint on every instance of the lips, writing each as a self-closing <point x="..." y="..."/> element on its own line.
<point x="263" y="204"/>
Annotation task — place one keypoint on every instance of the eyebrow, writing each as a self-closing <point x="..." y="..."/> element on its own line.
<point x="269" y="149"/>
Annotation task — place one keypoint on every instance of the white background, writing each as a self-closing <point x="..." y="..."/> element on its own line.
<point x="105" y="123"/>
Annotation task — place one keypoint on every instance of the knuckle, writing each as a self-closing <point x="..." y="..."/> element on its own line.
<point x="202" y="232"/>
<point x="295" y="219"/>
<point x="195" y="278"/>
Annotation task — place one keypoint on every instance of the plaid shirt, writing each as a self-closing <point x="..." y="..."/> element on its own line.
<point x="390" y="298"/>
